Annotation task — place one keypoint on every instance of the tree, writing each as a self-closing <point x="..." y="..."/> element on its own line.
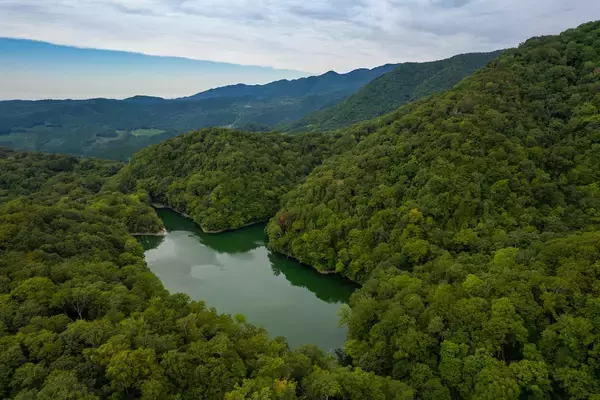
<point x="128" y="369"/>
<point x="64" y="385"/>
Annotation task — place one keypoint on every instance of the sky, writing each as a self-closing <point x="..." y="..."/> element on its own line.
<point x="312" y="36"/>
<point x="31" y="70"/>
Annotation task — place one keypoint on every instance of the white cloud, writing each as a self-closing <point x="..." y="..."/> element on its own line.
<point x="315" y="36"/>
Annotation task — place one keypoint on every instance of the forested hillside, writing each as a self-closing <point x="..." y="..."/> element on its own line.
<point x="225" y="179"/>
<point x="407" y="82"/>
<point x="45" y="179"/>
<point x="82" y="317"/>
<point x="471" y="218"/>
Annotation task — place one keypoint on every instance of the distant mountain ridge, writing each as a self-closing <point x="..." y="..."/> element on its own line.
<point x="405" y="83"/>
<point x="116" y="129"/>
<point x="327" y="83"/>
<point x="145" y="99"/>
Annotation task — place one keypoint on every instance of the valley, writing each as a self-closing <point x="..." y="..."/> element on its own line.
<point x="116" y="129"/>
<point x="455" y="236"/>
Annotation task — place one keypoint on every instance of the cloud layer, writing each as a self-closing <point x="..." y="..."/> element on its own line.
<point x="315" y="35"/>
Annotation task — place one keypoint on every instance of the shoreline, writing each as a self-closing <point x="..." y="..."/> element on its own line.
<point x="162" y="232"/>
<point x="159" y="205"/>
<point x="310" y="266"/>
<point x="232" y="229"/>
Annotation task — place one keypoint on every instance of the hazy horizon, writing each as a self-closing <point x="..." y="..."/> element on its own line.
<point x="260" y="40"/>
<point x="44" y="71"/>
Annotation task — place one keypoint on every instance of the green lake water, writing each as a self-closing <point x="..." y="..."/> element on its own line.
<point x="235" y="273"/>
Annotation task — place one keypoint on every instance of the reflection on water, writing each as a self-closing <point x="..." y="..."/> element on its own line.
<point x="236" y="273"/>
<point x="150" y="242"/>
<point x="329" y="288"/>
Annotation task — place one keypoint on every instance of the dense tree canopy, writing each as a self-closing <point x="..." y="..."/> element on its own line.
<point x="225" y="179"/>
<point x="82" y="317"/>
<point x="36" y="178"/>
<point x="507" y="157"/>
<point x="471" y="219"/>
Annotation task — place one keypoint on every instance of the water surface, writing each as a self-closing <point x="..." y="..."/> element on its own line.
<point x="235" y="273"/>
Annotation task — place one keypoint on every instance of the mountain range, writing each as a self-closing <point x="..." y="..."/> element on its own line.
<point x="117" y="128"/>
<point x="330" y="84"/>
<point x="407" y="82"/>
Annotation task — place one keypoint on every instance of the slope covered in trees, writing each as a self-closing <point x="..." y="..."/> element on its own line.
<point x="471" y="218"/>
<point x="36" y="178"/>
<point x="225" y="179"/>
<point x="82" y="317"/>
<point x="407" y="82"/>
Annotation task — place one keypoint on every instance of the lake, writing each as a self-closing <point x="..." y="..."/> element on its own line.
<point x="236" y="273"/>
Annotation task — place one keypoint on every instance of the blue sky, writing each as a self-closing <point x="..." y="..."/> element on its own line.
<point x="313" y="36"/>
<point x="37" y="70"/>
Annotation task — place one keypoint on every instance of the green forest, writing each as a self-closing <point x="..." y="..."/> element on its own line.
<point x="406" y="83"/>
<point x="470" y="218"/>
<point x="82" y="317"/>
<point x="224" y="179"/>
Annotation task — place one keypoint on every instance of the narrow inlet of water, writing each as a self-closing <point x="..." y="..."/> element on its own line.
<point x="236" y="273"/>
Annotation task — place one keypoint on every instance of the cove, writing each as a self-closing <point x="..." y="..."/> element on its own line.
<point x="236" y="273"/>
